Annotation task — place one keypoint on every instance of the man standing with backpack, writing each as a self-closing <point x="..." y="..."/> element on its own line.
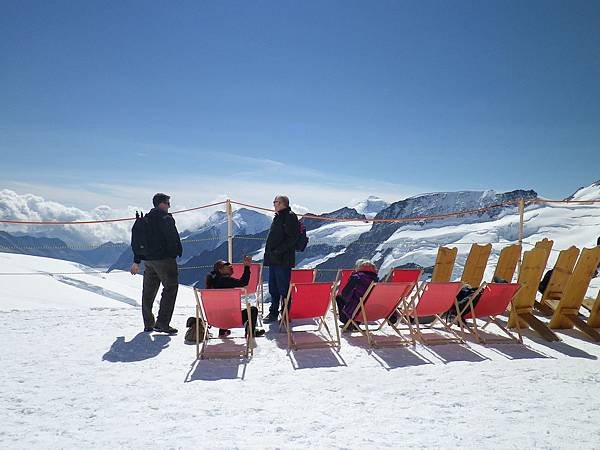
<point x="155" y="239"/>
<point x="280" y="253"/>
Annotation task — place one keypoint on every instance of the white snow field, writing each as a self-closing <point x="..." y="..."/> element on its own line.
<point x="77" y="372"/>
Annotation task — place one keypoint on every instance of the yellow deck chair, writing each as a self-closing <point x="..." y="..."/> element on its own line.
<point x="594" y="319"/>
<point x="545" y="244"/>
<point x="444" y="265"/>
<point x="507" y="262"/>
<point x="530" y="274"/>
<point x="475" y="264"/>
<point x="566" y="314"/>
<point x="562" y="271"/>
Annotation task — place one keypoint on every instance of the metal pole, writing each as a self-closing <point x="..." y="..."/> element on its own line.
<point x="229" y="230"/>
<point x="521" y="226"/>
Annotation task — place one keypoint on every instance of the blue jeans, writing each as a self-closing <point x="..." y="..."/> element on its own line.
<point x="279" y="283"/>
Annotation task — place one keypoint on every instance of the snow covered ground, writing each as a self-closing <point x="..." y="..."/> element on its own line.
<point x="78" y="373"/>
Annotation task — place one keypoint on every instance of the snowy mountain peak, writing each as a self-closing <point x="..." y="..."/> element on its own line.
<point x="370" y="206"/>
<point x="591" y="192"/>
<point x="245" y="221"/>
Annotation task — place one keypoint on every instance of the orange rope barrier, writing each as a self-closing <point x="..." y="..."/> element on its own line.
<point x="87" y="222"/>
<point x="311" y="216"/>
<point x="539" y="200"/>
<point x="401" y="219"/>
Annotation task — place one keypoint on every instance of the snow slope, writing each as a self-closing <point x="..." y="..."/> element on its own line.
<point x="78" y="373"/>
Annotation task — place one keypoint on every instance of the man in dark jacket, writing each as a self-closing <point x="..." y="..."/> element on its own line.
<point x="160" y="265"/>
<point x="280" y="253"/>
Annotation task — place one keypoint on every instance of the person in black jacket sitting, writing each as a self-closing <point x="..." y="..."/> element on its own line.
<point x="221" y="278"/>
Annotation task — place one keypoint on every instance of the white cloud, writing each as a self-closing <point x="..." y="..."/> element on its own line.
<point x="30" y="207"/>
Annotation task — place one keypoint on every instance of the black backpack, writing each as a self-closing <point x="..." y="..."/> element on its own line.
<point x="302" y="241"/>
<point x="139" y="235"/>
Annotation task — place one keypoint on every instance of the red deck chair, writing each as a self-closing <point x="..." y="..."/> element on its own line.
<point x="255" y="286"/>
<point x="377" y="305"/>
<point x="220" y="308"/>
<point x="303" y="276"/>
<point x="342" y="277"/>
<point x="405" y="276"/>
<point x="310" y="301"/>
<point x="494" y="299"/>
<point x="433" y="299"/>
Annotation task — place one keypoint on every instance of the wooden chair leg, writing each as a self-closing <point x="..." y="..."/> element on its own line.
<point x="583" y="327"/>
<point x="538" y="326"/>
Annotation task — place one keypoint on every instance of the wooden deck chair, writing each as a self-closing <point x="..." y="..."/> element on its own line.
<point x="220" y="308"/>
<point x="507" y="263"/>
<point x="341" y="279"/>
<point x="475" y="264"/>
<point x="594" y="318"/>
<point x="444" y="265"/>
<point x="434" y="299"/>
<point x="545" y="244"/>
<point x="310" y="301"/>
<point x="303" y="276"/>
<point x="562" y="271"/>
<point x="494" y="299"/>
<point x="254" y="286"/>
<point x="521" y="312"/>
<point x="566" y="314"/>
<point x="377" y="305"/>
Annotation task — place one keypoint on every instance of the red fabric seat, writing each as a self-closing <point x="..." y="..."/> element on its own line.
<point x="381" y="301"/>
<point x="255" y="269"/>
<point x="303" y="275"/>
<point x="405" y="275"/>
<point x="343" y="277"/>
<point x="436" y="299"/>
<point x="309" y="300"/>
<point x="222" y="307"/>
<point x="494" y="300"/>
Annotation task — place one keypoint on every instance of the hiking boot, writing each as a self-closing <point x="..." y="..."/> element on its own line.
<point x="148" y="329"/>
<point x="224" y="333"/>
<point x="163" y="329"/>
<point x="270" y="318"/>
<point x="351" y="328"/>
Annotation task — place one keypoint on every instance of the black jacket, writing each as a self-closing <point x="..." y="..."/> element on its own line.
<point x="217" y="281"/>
<point x="162" y="237"/>
<point x="280" y="249"/>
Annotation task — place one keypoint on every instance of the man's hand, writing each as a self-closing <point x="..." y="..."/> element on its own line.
<point x="134" y="269"/>
<point x="247" y="260"/>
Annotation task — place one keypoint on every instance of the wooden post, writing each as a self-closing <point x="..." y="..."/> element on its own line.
<point x="229" y="231"/>
<point x="521" y="227"/>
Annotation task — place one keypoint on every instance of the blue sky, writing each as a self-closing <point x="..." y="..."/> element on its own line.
<point x="328" y="101"/>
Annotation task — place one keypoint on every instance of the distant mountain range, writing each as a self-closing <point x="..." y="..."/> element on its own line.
<point x="336" y="244"/>
<point x="101" y="256"/>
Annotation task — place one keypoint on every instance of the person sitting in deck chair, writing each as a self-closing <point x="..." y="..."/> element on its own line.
<point x="221" y="278"/>
<point x="365" y="273"/>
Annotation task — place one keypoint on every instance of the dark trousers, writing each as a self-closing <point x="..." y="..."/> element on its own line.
<point x="279" y="284"/>
<point x="253" y="316"/>
<point x="156" y="272"/>
<point x="339" y="300"/>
